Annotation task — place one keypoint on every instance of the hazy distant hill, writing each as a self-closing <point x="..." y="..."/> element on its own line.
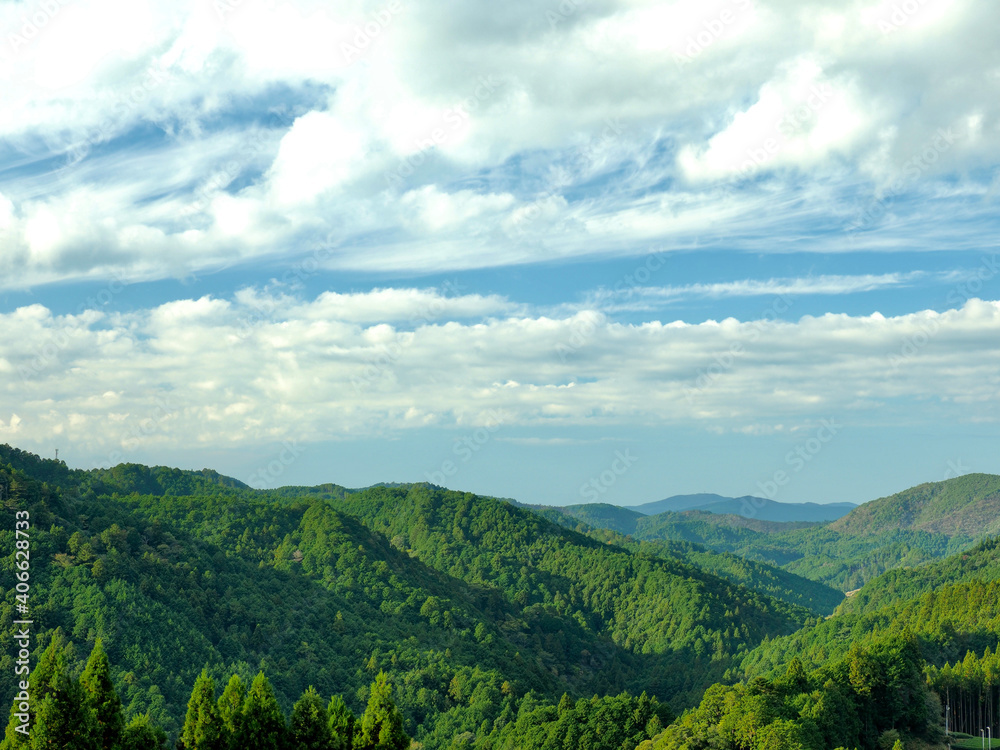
<point x="604" y="516"/>
<point x="747" y="506"/>
<point x="909" y="528"/>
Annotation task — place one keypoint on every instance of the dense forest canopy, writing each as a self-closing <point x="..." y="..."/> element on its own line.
<point x="165" y="602"/>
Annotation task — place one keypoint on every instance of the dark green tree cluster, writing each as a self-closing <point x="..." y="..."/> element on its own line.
<point x="970" y="688"/>
<point x="77" y="713"/>
<point x="869" y="700"/>
<point x="242" y="718"/>
<point x="611" y="723"/>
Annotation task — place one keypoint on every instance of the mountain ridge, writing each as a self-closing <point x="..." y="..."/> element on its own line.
<point x="748" y="506"/>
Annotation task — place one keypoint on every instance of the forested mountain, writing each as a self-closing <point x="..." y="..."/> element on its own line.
<point x="913" y="527"/>
<point x="463" y="621"/>
<point x="967" y="506"/>
<point x="698" y="526"/>
<point x="952" y="606"/>
<point x="470" y="605"/>
<point x="644" y="603"/>
<point x="980" y="563"/>
<point x="602" y="516"/>
<point x="872" y="678"/>
<point x="814" y="596"/>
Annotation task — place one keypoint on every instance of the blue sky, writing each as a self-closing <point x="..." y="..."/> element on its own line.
<point x="745" y="247"/>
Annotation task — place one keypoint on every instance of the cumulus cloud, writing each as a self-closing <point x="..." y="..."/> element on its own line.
<point x="260" y="367"/>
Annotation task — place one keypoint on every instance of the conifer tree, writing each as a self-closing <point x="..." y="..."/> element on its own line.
<point x="310" y="726"/>
<point x="342" y="721"/>
<point x="202" y="727"/>
<point x="64" y="719"/>
<point x="262" y="725"/>
<point x="381" y="725"/>
<point x="37" y="689"/>
<point x="565" y="704"/>
<point x="102" y="698"/>
<point x="230" y="710"/>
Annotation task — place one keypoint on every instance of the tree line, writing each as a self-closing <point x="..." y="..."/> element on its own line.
<point x="86" y="713"/>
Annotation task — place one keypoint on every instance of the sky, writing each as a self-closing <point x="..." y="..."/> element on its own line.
<point x="562" y="252"/>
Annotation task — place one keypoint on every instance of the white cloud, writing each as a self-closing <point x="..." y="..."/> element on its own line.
<point x="798" y="120"/>
<point x="638" y="297"/>
<point x="586" y="134"/>
<point x="207" y="371"/>
<point x="319" y="153"/>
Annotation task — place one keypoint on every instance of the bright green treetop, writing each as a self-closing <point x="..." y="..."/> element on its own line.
<point x="202" y="726"/>
<point x="341" y="722"/>
<point x="102" y="697"/>
<point x="382" y="724"/>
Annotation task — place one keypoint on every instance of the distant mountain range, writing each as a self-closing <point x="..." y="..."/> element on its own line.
<point x="747" y="506"/>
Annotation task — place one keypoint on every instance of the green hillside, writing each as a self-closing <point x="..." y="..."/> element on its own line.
<point x="814" y="596"/>
<point x="967" y="506"/>
<point x="456" y="597"/>
<point x="483" y="625"/>
<point x="713" y="529"/>
<point x="951" y="605"/>
<point x="921" y="639"/>
<point x="645" y="603"/>
<point x="910" y="528"/>
<point x="980" y="563"/>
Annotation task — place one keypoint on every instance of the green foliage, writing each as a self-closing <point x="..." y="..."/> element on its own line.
<point x="341" y="723"/>
<point x="611" y="723"/>
<point x="852" y="702"/>
<point x="202" y="726"/>
<point x="231" y="707"/>
<point x="64" y="719"/>
<point x="102" y="698"/>
<point x="310" y="724"/>
<point x="141" y="734"/>
<point x="381" y="726"/>
<point x="262" y="722"/>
